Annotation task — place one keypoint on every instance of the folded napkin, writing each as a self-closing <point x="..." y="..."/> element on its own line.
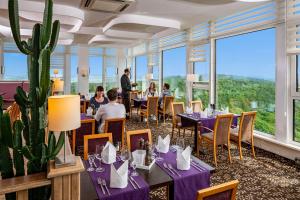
<point x="119" y="178"/>
<point x="204" y="114"/>
<point x="109" y="153"/>
<point x="163" y="144"/>
<point x="189" y="110"/>
<point x="89" y="111"/>
<point x="184" y="159"/>
<point x="139" y="156"/>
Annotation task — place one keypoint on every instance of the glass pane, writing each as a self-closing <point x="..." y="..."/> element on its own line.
<point x="201" y="94"/>
<point x="15" y="66"/>
<point x="201" y="68"/>
<point x="174" y="71"/>
<point x="297" y="120"/>
<point x="111" y="78"/>
<point x="245" y="67"/>
<point x="74" y="77"/>
<point x="298" y="73"/>
<point x="95" y="77"/>
<point x="141" y="69"/>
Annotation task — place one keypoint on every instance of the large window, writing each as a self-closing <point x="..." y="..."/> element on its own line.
<point x="95" y="77"/>
<point x="15" y="66"/>
<point x="141" y="70"/>
<point x="245" y="76"/>
<point x="174" y="71"/>
<point x="296" y="106"/>
<point x="74" y="76"/>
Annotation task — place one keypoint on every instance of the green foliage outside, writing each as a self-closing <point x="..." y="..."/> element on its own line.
<point x="297" y="120"/>
<point x="203" y="95"/>
<point x="177" y="86"/>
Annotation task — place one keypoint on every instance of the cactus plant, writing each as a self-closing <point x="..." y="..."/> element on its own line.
<point x="32" y="125"/>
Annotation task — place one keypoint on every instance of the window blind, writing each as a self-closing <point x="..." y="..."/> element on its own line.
<point x="293" y="26"/>
<point x="10" y="47"/>
<point x="198" y="53"/>
<point x="95" y="51"/>
<point x="139" y="49"/>
<point x="57" y="61"/>
<point x="199" y="32"/>
<point x="173" y="40"/>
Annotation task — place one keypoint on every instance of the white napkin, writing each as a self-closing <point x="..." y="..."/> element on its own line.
<point x="204" y="114"/>
<point x="184" y="159"/>
<point x="89" y="111"/>
<point x="119" y="178"/>
<point x="108" y="154"/>
<point x="163" y="144"/>
<point x="189" y="110"/>
<point x="139" y="156"/>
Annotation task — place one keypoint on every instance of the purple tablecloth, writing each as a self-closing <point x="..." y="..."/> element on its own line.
<point x="192" y="180"/>
<point x="128" y="193"/>
<point x="83" y="116"/>
<point x="140" y="102"/>
<point x="208" y="122"/>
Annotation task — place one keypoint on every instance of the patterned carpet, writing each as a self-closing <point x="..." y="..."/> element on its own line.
<point x="269" y="176"/>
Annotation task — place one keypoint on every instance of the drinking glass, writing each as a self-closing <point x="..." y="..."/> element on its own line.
<point x="180" y="143"/>
<point x="133" y="165"/>
<point x="125" y="155"/>
<point x="99" y="149"/>
<point x="91" y="159"/>
<point x="158" y="158"/>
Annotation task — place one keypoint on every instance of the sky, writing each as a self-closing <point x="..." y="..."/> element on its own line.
<point x="248" y="55"/>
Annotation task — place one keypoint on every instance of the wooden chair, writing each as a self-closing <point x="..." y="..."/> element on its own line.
<point x="14" y="113"/>
<point x="133" y="95"/>
<point x="167" y="107"/>
<point x="219" y="136"/>
<point x="178" y="108"/>
<point x="87" y="127"/>
<point x="134" y="136"/>
<point x="152" y="109"/>
<point x="116" y="126"/>
<point x="244" y="133"/>
<point x="82" y="106"/>
<point x="224" y="191"/>
<point x="90" y="142"/>
<point x="197" y="106"/>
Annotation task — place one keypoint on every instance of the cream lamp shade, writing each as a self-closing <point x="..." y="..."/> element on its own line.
<point x="55" y="71"/>
<point x="63" y="112"/>
<point x="149" y="76"/>
<point x="192" y="77"/>
<point x="58" y="85"/>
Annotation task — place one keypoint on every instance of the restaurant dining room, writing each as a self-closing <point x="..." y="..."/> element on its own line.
<point x="149" y="99"/>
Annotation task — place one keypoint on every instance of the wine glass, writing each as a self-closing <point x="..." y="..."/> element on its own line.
<point x="158" y="158"/>
<point x="99" y="149"/>
<point x="91" y="159"/>
<point x="180" y="143"/>
<point x="133" y="165"/>
<point x="125" y="155"/>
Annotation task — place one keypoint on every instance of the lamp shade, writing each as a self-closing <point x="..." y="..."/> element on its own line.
<point x="149" y="76"/>
<point x="58" y="85"/>
<point x="63" y="112"/>
<point x="55" y="71"/>
<point x="192" y="77"/>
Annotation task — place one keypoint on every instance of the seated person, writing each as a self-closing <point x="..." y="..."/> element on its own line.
<point x="98" y="99"/>
<point x="151" y="91"/>
<point x="165" y="92"/>
<point x="110" y="110"/>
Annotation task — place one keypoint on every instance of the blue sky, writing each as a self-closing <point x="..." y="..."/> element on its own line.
<point x="248" y="55"/>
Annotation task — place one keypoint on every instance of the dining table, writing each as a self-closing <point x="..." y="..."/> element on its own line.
<point x="149" y="180"/>
<point x="195" y="118"/>
<point x="138" y="102"/>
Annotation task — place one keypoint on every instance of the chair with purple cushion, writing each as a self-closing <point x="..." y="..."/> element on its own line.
<point x="91" y="141"/>
<point x="225" y="191"/>
<point x="116" y="126"/>
<point x="133" y="138"/>
<point x="87" y="127"/>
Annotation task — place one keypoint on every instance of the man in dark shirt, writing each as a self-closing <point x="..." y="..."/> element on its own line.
<point x="126" y="88"/>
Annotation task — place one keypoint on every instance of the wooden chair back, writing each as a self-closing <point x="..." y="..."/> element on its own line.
<point x="90" y="142"/>
<point x="116" y="126"/>
<point x="14" y="113"/>
<point x="177" y="108"/>
<point x="82" y="106"/>
<point x="134" y="136"/>
<point x="197" y="106"/>
<point x="87" y="127"/>
<point x="246" y="126"/>
<point x="152" y="106"/>
<point x="167" y="105"/>
<point x="225" y="191"/>
<point x="133" y="95"/>
<point x="222" y="129"/>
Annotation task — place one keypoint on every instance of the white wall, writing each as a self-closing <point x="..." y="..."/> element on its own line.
<point x="83" y="63"/>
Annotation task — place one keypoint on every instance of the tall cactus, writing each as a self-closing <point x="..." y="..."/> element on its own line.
<point x="32" y="125"/>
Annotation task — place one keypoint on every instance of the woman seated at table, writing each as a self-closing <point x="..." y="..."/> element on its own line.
<point x="98" y="99"/>
<point x="165" y="92"/>
<point x="151" y="91"/>
<point x="110" y="110"/>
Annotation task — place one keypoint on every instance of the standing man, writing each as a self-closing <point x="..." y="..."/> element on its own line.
<point x="126" y="88"/>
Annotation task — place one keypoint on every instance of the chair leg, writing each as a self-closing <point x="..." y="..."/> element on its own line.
<point x="178" y="132"/>
<point x="172" y="132"/>
<point x="240" y="150"/>
<point x="215" y="155"/>
<point x="199" y="142"/>
<point x="184" y="132"/>
<point x="229" y="154"/>
<point x="164" y="118"/>
<point x="253" y="151"/>
<point x="156" y="121"/>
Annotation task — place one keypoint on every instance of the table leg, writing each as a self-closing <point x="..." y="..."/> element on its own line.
<point x="170" y="191"/>
<point x="195" y="136"/>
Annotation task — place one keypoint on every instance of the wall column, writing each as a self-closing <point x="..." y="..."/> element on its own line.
<point x="83" y="64"/>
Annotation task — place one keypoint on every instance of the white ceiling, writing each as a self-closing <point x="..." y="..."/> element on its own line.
<point x="186" y="13"/>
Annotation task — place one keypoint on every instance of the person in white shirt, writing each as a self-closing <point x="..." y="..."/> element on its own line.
<point x="110" y="110"/>
<point x="151" y="91"/>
